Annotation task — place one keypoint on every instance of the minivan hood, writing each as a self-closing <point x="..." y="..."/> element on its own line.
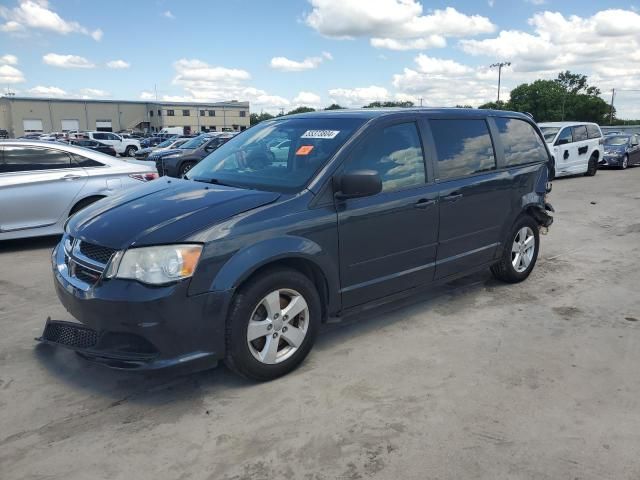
<point x="162" y="211"/>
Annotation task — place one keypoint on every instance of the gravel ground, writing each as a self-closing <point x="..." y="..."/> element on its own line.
<point x="475" y="380"/>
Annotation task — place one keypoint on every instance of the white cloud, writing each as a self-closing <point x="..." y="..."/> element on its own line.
<point x="357" y="97"/>
<point x="66" y="61"/>
<point x="146" y="95"/>
<point x="439" y="66"/>
<point x="118" y="64"/>
<point x="396" y="24"/>
<point x="307" y="99"/>
<point x="168" y="14"/>
<point x="204" y="82"/>
<point x="37" y="14"/>
<point x="601" y="46"/>
<point x="9" y="74"/>
<point x="536" y="2"/>
<point x="42" y="91"/>
<point x="9" y="59"/>
<point x="93" y="93"/>
<point x="286" y="65"/>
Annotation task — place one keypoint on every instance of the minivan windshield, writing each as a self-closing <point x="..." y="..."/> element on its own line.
<point x="616" y="141"/>
<point x="278" y="155"/>
<point x="549" y="133"/>
<point x="195" y="142"/>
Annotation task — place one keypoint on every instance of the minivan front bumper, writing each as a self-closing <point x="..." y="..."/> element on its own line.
<point x="129" y="325"/>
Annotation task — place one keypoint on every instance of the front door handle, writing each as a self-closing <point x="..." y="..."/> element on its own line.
<point x="566" y="154"/>
<point x="71" y="176"/>
<point x="424" y="203"/>
<point x="453" y="197"/>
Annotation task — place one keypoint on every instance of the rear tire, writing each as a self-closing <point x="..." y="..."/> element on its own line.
<point x="519" y="256"/>
<point x="592" y="167"/>
<point x="130" y="151"/>
<point x="552" y="169"/>
<point x="259" y="311"/>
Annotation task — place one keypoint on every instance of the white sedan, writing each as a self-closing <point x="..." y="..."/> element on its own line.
<point x="43" y="183"/>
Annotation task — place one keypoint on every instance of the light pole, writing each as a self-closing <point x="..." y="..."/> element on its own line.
<point x="499" y="65"/>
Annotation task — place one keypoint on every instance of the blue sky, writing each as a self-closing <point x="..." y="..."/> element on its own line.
<point x="280" y="54"/>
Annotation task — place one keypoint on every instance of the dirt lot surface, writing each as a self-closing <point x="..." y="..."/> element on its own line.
<point x="475" y="380"/>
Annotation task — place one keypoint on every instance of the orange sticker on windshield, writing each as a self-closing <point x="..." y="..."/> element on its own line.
<point x="304" y="150"/>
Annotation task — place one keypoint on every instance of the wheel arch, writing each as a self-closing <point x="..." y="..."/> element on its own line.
<point x="297" y="253"/>
<point x="88" y="200"/>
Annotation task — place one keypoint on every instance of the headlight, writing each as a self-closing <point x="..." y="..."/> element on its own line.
<point x="156" y="265"/>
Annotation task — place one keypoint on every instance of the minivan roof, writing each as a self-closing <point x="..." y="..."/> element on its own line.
<point x="369" y="113"/>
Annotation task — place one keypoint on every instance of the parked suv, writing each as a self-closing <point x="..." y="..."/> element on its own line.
<point x="246" y="257"/>
<point x="126" y="147"/>
<point x="178" y="163"/>
<point x="576" y="147"/>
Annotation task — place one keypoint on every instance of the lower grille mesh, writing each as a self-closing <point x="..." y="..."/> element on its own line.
<point x="71" y="335"/>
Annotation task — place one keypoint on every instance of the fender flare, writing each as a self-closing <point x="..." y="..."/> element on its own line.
<point x="249" y="259"/>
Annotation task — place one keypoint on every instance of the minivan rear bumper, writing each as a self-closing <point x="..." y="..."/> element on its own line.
<point x="128" y="325"/>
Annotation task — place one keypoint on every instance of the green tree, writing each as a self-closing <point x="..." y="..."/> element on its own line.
<point x="499" y="105"/>
<point x="464" y="106"/>
<point x="256" y="118"/>
<point x="389" y="104"/>
<point x="301" y="110"/>
<point x="334" y="106"/>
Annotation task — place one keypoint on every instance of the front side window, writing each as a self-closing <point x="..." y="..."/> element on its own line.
<point x="549" y="133"/>
<point x="464" y="147"/>
<point x="520" y="141"/>
<point x="100" y="136"/>
<point x="22" y="159"/>
<point x="247" y="160"/>
<point x="565" y="136"/>
<point x="580" y="133"/>
<point x="395" y="153"/>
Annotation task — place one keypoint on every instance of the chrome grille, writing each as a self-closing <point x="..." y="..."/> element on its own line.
<point x="85" y="261"/>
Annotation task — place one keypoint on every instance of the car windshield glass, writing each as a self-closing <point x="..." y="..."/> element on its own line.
<point x="195" y="142"/>
<point x="252" y="160"/>
<point x="549" y="133"/>
<point x="166" y="143"/>
<point x="616" y="140"/>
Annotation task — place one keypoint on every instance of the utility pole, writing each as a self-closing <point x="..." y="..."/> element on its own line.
<point x="499" y="65"/>
<point x="420" y="101"/>
<point x="613" y="96"/>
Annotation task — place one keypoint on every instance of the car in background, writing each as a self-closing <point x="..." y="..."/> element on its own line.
<point x="179" y="163"/>
<point x="191" y="144"/>
<point x="52" y="181"/>
<point x="576" y="147"/>
<point x="281" y="151"/>
<point x="169" y="144"/>
<point x="54" y="136"/>
<point x="31" y="136"/>
<point x="622" y="151"/>
<point x="3" y="133"/>
<point x="126" y="147"/>
<point x="93" y="145"/>
<point x="151" y="141"/>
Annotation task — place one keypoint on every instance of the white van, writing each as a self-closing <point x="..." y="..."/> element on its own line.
<point x="171" y="131"/>
<point x="576" y="147"/>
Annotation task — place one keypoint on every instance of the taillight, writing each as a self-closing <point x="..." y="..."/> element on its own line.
<point x="145" y="177"/>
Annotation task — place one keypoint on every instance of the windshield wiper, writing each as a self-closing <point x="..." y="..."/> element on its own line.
<point x="215" y="181"/>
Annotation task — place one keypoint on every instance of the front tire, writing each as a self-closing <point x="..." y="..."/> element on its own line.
<point x="625" y="162"/>
<point x="184" y="168"/>
<point x="272" y="324"/>
<point x="520" y="252"/>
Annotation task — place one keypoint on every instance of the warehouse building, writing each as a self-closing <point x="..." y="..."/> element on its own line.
<point x="21" y="115"/>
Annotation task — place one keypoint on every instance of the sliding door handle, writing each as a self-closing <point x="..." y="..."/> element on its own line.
<point x="453" y="197"/>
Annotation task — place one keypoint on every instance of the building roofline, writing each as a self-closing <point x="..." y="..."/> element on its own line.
<point x="229" y="103"/>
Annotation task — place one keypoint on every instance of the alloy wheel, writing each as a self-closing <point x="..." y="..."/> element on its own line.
<point x="522" y="249"/>
<point x="278" y="326"/>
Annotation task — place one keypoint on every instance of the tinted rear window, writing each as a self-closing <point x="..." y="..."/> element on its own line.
<point x="20" y="159"/>
<point x="593" y="131"/>
<point x="464" y="147"/>
<point x="521" y="142"/>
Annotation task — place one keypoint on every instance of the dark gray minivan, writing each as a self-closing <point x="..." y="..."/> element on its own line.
<point x="244" y="258"/>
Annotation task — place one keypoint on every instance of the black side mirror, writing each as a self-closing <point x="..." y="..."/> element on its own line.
<point x="562" y="141"/>
<point x="359" y="183"/>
